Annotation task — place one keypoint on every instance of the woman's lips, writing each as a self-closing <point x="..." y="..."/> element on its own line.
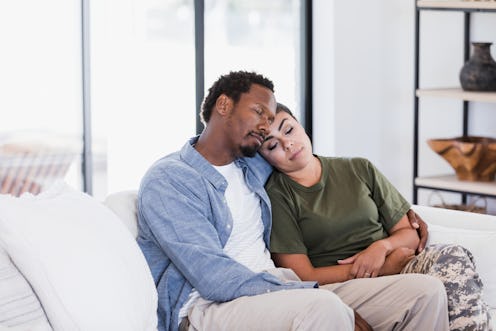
<point x="296" y="154"/>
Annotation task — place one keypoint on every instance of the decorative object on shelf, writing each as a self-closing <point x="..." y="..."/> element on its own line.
<point x="470" y="207"/>
<point x="473" y="158"/>
<point x="479" y="72"/>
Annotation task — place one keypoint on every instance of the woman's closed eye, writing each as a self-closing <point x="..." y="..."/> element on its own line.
<point x="272" y="146"/>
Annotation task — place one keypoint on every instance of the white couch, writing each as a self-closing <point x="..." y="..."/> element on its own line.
<point x="67" y="259"/>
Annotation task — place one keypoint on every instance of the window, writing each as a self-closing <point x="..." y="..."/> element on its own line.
<point x="257" y="35"/>
<point x="143" y="91"/>
<point x="142" y="81"/>
<point x="41" y="123"/>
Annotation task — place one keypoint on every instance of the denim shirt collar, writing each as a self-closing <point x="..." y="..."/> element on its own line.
<point x="192" y="157"/>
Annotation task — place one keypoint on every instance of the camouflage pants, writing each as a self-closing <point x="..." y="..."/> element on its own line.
<point x="454" y="266"/>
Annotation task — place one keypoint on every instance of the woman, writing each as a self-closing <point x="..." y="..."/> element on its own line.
<point x="335" y="219"/>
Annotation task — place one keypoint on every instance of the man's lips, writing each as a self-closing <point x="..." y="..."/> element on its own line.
<point x="259" y="137"/>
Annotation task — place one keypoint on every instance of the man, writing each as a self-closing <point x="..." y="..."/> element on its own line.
<point x="204" y="226"/>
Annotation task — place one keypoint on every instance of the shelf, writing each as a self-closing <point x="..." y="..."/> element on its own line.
<point x="451" y="183"/>
<point x="452" y="4"/>
<point x="457" y="93"/>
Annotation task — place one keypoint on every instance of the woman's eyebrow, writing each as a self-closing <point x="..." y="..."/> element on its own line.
<point x="278" y="129"/>
<point x="280" y="125"/>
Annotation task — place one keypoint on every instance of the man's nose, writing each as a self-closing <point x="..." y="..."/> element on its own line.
<point x="264" y="124"/>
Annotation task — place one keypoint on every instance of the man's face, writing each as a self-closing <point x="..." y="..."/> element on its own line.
<point x="250" y="119"/>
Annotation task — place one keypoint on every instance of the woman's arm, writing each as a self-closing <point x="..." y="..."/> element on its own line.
<point x="401" y="235"/>
<point x="368" y="263"/>
<point x="301" y="265"/>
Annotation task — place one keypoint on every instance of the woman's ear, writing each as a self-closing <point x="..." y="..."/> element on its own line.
<point x="223" y="105"/>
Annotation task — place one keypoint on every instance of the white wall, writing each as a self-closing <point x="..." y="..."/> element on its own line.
<point x="363" y="83"/>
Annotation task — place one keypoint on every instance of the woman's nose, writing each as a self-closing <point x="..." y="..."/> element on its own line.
<point x="288" y="144"/>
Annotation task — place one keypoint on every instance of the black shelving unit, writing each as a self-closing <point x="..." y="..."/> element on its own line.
<point x="449" y="183"/>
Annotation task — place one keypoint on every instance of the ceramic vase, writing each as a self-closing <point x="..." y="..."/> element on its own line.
<point x="479" y="72"/>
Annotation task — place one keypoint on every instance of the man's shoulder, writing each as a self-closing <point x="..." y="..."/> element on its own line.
<point x="170" y="170"/>
<point x="260" y="167"/>
<point x="171" y="164"/>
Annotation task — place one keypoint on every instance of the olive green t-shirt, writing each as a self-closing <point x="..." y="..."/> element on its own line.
<point x="351" y="206"/>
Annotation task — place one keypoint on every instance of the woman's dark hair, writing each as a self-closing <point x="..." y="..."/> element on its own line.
<point x="233" y="85"/>
<point x="281" y="107"/>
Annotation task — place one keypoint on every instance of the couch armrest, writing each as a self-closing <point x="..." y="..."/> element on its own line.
<point x="476" y="232"/>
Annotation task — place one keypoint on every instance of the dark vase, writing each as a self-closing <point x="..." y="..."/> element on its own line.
<point x="479" y="72"/>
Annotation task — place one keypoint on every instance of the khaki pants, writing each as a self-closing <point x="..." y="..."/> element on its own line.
<point x="399" y="302"/>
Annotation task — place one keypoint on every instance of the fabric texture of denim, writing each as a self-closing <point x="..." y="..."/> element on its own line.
<point x="184" y="223"/>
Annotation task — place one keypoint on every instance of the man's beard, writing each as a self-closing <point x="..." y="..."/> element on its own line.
<point x="249" y="151"/>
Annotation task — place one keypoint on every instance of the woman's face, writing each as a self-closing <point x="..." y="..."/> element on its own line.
<point x="287" y="146"/>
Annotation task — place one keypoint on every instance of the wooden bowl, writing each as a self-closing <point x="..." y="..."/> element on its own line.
<point x="473" y="158"/>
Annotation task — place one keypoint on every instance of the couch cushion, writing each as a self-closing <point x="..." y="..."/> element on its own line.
<point x="123" y="204"/>
<point x="82" y="263"/>
<point x="19" y="306"/>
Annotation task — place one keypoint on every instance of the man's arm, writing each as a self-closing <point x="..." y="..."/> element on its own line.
<point x="422" y="229"/>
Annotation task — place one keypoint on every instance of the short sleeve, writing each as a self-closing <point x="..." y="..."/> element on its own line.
<point x="286" y="236"/>
<point x="391" y="204"/>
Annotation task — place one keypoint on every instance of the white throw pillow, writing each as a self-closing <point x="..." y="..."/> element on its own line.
<point x="481" y="244"/>
<point x="81" y="261"/>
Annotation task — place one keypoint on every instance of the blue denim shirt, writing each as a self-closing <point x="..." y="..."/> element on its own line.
<point x="184" y="223"/>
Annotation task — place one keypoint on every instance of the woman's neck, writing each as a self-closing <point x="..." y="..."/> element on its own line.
<point x="309" y="175"/>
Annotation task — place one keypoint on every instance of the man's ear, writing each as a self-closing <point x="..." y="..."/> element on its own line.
<point x="223" y="105"/>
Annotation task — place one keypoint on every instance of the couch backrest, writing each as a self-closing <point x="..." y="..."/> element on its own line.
<point x="123" y="203"/>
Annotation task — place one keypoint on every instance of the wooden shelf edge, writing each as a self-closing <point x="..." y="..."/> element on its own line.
<point x="457" y="93"/>
<point x="451" y="183"/>
<point x="449" y="4"/>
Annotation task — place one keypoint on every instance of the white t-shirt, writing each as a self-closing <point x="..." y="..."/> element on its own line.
<point x="245" y="244"/>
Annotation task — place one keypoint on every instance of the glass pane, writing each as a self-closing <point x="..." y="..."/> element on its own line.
<point x="40" y="80"/>
<point x="255" y="35"/>
<point x="143" y="86"/>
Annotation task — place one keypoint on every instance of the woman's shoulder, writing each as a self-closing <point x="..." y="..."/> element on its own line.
<point x="346" y="162"/>
<point x="276" y="182"/>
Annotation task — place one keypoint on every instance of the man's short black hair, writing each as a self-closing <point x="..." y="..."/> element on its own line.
<point x="233" y="85"/>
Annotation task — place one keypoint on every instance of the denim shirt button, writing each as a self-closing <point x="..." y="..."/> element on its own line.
<point x="228" y="226"/>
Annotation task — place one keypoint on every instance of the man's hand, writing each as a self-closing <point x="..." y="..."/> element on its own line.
<point x="361" y="324"/>
<point x="396" y="261"/>
<point x="418" y="223"/>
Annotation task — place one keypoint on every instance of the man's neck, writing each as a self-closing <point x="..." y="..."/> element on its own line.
<point x="213" y="149"/>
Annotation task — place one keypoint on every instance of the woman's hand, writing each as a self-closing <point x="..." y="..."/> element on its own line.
<point x="367" y="263"/>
